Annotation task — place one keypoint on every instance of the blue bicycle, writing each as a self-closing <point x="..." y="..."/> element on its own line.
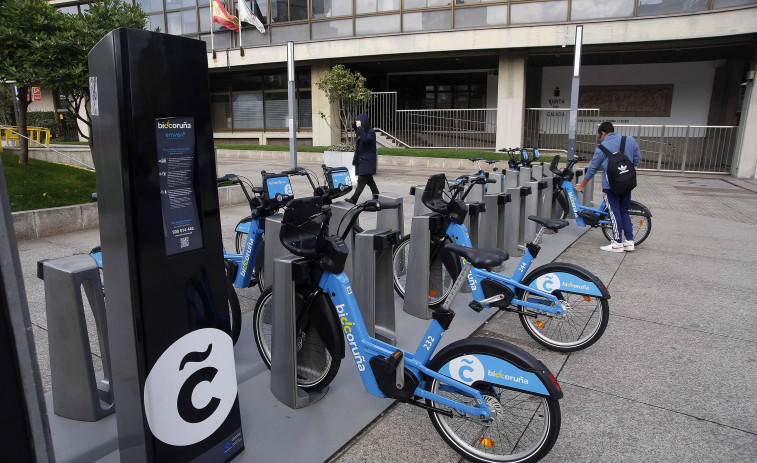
<point x="489" y="400"/>
<point x="562" y="306"/>
<point x="564" y="199"/>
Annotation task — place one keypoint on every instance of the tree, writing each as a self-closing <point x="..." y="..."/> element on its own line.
<point x="347" y="90"/>
<point x="6" y="105"/>
<point x="26" y="30"/>
<point x="72" y="43"/>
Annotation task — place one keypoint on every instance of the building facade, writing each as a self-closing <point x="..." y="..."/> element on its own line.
<point x="493" y="73"/>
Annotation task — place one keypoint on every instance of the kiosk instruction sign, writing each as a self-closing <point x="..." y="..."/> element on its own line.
<point x="175" y="140"/>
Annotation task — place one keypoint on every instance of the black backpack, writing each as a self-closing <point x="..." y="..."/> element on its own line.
<point x="621" y="173"/>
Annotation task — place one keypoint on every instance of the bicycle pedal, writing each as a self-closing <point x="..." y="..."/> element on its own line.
<point x="476" y="306"/>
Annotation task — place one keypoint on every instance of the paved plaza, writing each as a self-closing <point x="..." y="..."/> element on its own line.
<point x="673" y="377"/>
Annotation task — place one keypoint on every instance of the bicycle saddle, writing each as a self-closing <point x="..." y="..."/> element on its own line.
<point x="475" y="159"/>
<point x="552" y="224"/>
<point x="479" y="258"/>
<point x="492" y="161"/>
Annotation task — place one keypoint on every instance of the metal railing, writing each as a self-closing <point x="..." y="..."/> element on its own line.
<point x="547" y="128"/>
<point x="432" y="128"/>
<point x="682" y="148"/>
<point x="9" y="136"/>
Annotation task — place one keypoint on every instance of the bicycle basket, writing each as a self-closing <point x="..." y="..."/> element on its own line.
<point x="433" y="194"/>
<point x="338" y="181"/>
<point x="304" y="227"/>
<point x="553" y="165"/>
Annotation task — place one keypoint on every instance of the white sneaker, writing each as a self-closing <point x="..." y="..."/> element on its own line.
<point x="613" y="247"/>
<point x="628" y="245"/>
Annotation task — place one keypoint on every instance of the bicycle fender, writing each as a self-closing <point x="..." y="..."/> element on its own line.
<point x="480" y="361"/>
<point x="636" y="208"/>
<point x="327" y="324"/>
<point x="244" y="225"/>
<point x="556" y="276"/>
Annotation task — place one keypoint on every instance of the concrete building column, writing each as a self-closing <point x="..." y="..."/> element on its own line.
<point x="325" y="131"/>
<point x="745" y="165"/>
<point x="511" y="100"/>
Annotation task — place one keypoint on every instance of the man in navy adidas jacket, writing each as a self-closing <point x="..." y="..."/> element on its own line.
<point x="618" y="204"/>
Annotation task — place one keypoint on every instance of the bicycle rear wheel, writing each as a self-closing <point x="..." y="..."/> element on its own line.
<point x="316" y="368"/>
<point x="440" y="282"/>
<point x="642" y="225"/>
<point x="523" y="427"/>
<point x="581" y="325"/>
<point x="560" y="204"/>
<point x="235" y="312"/>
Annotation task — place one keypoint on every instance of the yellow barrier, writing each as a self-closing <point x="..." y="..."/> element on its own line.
<point x="36" y="134"/>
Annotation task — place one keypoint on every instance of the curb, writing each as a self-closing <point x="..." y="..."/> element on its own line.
<point x="55" y="220"/>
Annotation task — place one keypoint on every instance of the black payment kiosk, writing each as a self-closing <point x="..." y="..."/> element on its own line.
<point x="174" y="377"/>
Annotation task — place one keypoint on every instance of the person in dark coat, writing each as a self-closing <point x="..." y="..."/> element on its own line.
<point x="365" y="158"/>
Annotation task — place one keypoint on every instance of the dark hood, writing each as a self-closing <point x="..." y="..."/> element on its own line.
<point x="365" y="121"/>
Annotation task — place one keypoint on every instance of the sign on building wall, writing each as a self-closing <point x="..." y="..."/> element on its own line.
<point x="36" y="94"/>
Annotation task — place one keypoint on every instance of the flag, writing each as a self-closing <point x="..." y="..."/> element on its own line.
<point x="246" y="15"/>
<point x="222" y="17"/>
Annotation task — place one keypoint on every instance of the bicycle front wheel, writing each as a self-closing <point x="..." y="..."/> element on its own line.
<point x="523" y="427"/>
<point x="440" y="281"/>
<point x="641" y="225"/>
<point x="316" y="368"/>
<point x="581" y="325"/>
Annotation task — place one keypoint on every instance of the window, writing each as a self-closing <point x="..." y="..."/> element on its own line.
<point x="376" y="6"/>
<point x="288" y="10"/>
<point x="670" y="6"/>
<point x="427" y="20"/>
<point x="593" y="9"/>
<point x="384" y="24"/>
<point x="258" y="101"/>
<point x="482" y="16"/>
<point x="538" y="12"/>
<point x="331" y="8"/>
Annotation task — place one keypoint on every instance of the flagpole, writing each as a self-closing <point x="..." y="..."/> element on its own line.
<point x="212" y="44"/>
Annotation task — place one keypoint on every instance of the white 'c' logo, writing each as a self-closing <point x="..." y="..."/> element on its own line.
<point x="467" y="369"/>
<point x="548" y="283"/>
<point x="191" y="388"/>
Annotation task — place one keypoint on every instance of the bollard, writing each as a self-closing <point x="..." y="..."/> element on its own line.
<point x="512" y="221"/>
<point x="525" y="192"/>
<point x="524" y="176"/>
<point x="338" y="211"/>
<point x="487" y="234"/>
<point x="511" y="179"/>
<point x="77" y="394"/>
<point x="419" y="272"/>
<point x="374" y="285"/>
<point x="544" y="208"/>
<point x="537" y="171"/>
<point x="496" y="188"/>
<point x="531" y="208"/>
<point x="419" y="208"/>
<point x="476" y="194"/>
<point x="284" y="337"/>
<point x="272" y="245"/>
<point x="502" y="200"/>
<point x="476" y="211"/>
<point x="391" y="219"/>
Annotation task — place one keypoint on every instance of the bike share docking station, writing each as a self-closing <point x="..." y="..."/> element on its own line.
<point x="174" y="376"/>
<point x="77" y="393"/>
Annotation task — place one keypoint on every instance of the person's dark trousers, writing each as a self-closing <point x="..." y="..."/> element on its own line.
<point x="362" y="181"/>
<point x="618" y="209"/>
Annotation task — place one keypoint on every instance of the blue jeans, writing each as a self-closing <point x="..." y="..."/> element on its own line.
<point x="618" y="208"/>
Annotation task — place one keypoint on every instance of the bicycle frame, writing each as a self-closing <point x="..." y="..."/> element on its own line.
<point x="459" y="235"/>
<point x="363" y="348"/>
<point x="246" y="260"/>
<point x="570" y="190"/>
